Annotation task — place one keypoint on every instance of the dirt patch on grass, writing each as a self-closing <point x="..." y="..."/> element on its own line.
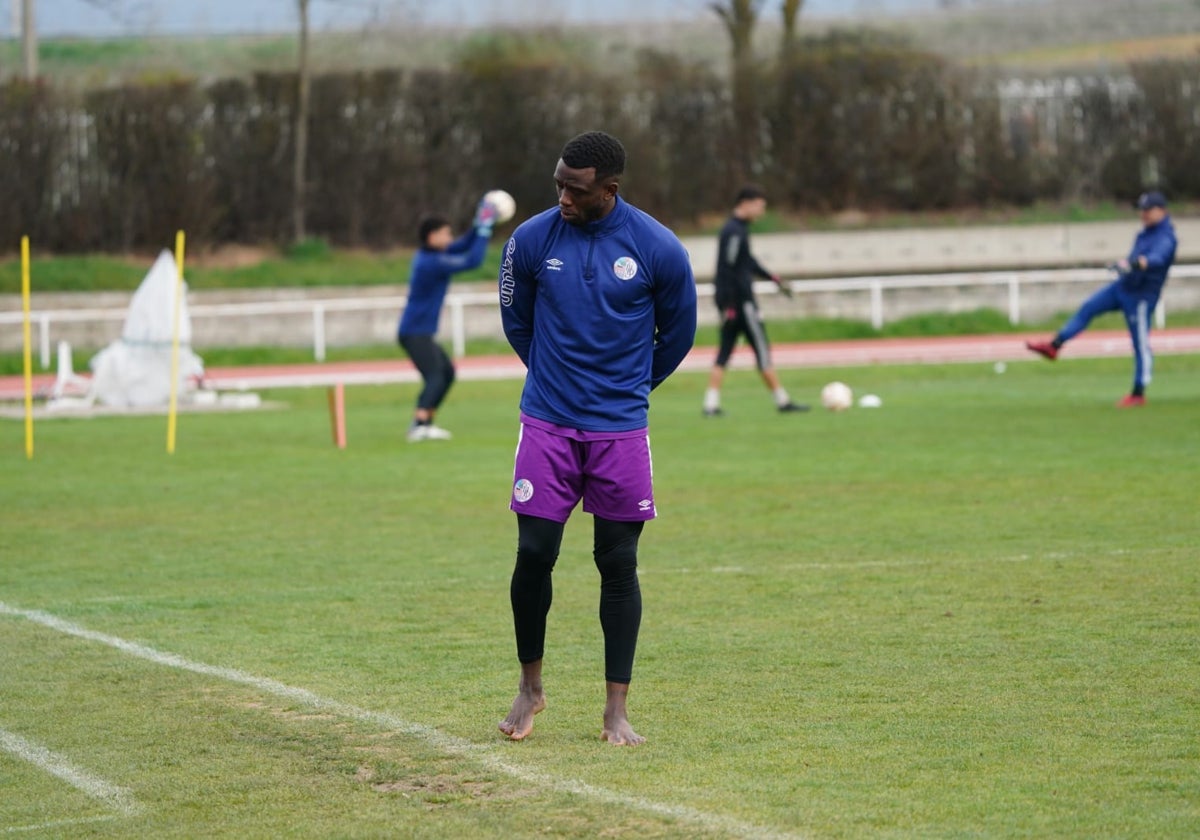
<point x="436" y="788"/>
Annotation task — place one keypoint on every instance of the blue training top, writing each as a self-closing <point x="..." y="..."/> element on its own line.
<point x="600" y="314"/>
<point x="431" y="270"/>
<point x="1157" y="244"/>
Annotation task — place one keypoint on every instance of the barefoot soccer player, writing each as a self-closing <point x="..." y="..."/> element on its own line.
<point x="599" y="302"/>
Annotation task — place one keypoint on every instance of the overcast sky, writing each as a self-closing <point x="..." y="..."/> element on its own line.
<point x="96" y="18"/>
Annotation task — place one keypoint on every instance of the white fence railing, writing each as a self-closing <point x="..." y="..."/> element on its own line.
<point x="457" y="303"/>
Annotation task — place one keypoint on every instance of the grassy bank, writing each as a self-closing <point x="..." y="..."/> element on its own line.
<point x="267" y="268"/>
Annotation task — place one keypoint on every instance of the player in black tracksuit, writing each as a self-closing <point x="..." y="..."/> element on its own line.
<point x="736" y="270"/>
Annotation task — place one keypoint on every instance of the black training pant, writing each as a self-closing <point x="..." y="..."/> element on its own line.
<point x="746" y="321"/>
<point x="615" y="552"/>
<point x="435" y="368"/>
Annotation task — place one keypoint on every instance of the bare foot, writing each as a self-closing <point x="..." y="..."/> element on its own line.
<point x="619" y="732"/>
<point x="530" y="700"/>
<point x="616" y="722"/>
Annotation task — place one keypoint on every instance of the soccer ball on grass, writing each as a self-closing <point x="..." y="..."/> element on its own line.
<point x="837" y="396"/>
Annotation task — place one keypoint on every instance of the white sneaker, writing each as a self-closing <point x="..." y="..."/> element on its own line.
<point x="417" y="433"/>
<point x="427" y="432"/>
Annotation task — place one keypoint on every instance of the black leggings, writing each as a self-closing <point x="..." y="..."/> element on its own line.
<point x="434" y="365"/>
<point x="531" y="591"/>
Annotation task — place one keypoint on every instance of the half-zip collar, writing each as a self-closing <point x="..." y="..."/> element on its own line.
<point x="602" y="228"/>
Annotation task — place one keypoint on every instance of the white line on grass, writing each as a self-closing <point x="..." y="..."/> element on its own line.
<point x="449" y="744"/>
<point x="95" y="787"/>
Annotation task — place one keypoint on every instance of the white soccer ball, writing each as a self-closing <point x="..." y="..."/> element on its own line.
<point x="505" y="204"/>
<point x="837" y="396"/>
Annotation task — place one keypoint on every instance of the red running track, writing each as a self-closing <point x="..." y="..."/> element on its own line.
<point x="860" y="352"/>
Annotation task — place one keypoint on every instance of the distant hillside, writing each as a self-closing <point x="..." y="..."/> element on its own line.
<point x="1023" y="31"/>
<point x="130" y="18"/>
<point x="1033" y="34"/>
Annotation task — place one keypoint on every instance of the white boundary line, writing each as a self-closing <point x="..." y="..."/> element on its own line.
<point x="115" y="797"/>
<point x="484" y="754"/>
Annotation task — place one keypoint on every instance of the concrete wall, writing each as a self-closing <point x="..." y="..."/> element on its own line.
<point x="841" y="253"/>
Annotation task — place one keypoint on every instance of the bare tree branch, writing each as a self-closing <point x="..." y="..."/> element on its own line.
<point x="740" y="17"/>
<point x="791" y="14"/>
<point x="29" y="42"/>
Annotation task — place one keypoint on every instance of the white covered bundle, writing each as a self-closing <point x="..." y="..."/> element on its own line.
<point x="135" y="370"/>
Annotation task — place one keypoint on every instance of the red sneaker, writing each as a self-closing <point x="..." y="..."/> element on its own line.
<point x="1130" y="401"/>
<point x="1043" y="348"/>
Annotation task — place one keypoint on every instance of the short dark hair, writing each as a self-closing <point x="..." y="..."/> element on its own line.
<point x="595" y="149"/>
<point x="749" y="192"/>
<point x="428" y="225"/>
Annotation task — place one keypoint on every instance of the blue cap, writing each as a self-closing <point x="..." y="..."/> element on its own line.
<point x="1151" y="199"/>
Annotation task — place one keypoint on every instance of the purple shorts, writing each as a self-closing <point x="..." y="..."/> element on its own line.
<point x="556" y="467"/>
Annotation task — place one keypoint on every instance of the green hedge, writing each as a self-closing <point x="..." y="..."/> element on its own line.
<point x="849" y="121"/>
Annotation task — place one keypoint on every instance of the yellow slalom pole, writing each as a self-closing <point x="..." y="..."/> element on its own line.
<point x="174" y="404"/>
<point x="28" y="348"/>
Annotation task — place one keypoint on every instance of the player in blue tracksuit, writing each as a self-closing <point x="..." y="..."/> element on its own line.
<point x="1135" y="292"/>
<point x="598" y="313"/>
<point x="439" y="257"/>
<point x="599" y="302"/>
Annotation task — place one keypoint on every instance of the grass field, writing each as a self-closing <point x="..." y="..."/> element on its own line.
<point x="970" y="613"/>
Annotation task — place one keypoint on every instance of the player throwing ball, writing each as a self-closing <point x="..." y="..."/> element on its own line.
<point x="598" y="300"/>
<point x="439" y="258"/>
